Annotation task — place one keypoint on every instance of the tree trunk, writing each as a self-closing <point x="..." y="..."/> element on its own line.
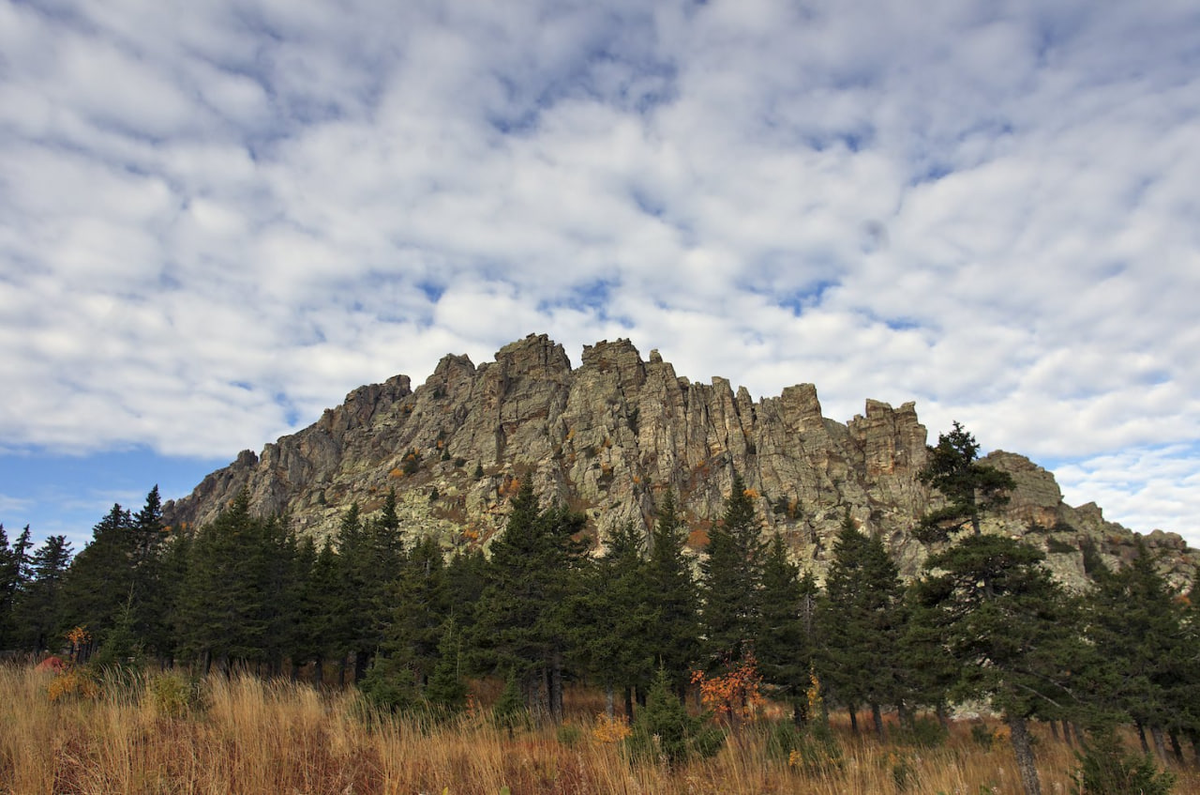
<point x="853" y="719"/>
<point x="318" y="672"/>
<point x="1176" y="748"/>
<point x="1054" y="731"/>
<point x="877" y="717"/>
<point x="609" y="698"/>
<point x="942" y="716"/>
<point x="1141" y="730"/>
<point x="1023" y="749"/>
<point x="556" y="688"/>
<point x="1194" y="738"/>
<point x="1068" y="732"/>
<point x="629" y="704"/>
<point x="1160" y="745"/>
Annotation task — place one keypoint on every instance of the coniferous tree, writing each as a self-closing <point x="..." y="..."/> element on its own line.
<point x="613" y="615"/>
<point x="1144" y="666"/>
<point x="784" y="648"/>
<point x="40" y="606"/>
<point x="970" y="489"/>
<point x="524" y="623"/>
<point x="9" y="588"/>
<point x="674" y="635"/>
<point x="98" y="587"/>
<point x="1010" y="629"/>
<point x="732" y="611"/>
<point x="223" y="616"/>
<point x="862" y="625"/>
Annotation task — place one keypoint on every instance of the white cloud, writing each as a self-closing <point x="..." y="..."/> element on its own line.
<point x="216" y="220"/>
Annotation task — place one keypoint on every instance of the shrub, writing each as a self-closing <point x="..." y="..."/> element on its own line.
<point x="173" y="695"/>
<point x="1106" y="768"/>
<point x="569" y="734"/>
<point x="665" y="733"/>
<point x="923" y="733"/>
<point x="389" y="685"/>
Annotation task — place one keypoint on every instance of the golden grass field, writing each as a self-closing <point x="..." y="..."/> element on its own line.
<point x="250" y="736"/>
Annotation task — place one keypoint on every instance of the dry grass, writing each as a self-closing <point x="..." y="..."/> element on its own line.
<point x="249" y="736"/>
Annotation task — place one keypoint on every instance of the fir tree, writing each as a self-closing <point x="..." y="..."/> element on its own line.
<point x="40" y="607"/>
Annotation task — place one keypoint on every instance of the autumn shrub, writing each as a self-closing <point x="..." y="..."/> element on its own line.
<point x="174" y="694"/>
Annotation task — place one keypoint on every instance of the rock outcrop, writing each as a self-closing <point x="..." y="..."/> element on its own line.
<point x="609" y="438"/>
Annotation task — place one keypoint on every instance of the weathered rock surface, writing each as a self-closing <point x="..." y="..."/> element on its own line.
<point x="609" y="438"/>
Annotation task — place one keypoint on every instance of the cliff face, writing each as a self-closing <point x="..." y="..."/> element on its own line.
<point x="609" y="438"/>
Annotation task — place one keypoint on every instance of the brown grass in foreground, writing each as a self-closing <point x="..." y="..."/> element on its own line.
<point x="250" y="736"/>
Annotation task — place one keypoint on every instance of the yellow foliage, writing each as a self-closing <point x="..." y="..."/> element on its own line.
<point x="610" y="730"/>
<point x="72" y="682"/>
<point x="751" y="493"/>
<point x="396" y="473"/>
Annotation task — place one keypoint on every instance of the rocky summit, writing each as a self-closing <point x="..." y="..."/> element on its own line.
<point x="610" y="437"/>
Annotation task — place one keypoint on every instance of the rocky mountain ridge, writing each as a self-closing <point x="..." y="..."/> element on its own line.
<point x="609" y="437"/>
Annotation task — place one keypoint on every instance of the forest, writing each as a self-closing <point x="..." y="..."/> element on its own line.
<point x="684" y="653"/>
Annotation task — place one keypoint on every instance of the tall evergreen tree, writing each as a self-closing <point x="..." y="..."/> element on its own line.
<point x="613" y="615"/>
<point x="40" y="605"/>
<point x="1010" y="629"/>
<point x="862" y="624"/>
<point x="732" y="611"/>
<point x="98" y="588"/>
<point x="674" y="636"/>
<point x="523" y="622"/>
<point x="1140" y="626"/>
<point x="785" y="648"/>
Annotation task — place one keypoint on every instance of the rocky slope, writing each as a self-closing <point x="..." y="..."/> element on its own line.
<point x="609" y="438"/>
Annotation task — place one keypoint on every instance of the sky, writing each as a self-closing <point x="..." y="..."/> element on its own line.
<point x="218" y="218"/>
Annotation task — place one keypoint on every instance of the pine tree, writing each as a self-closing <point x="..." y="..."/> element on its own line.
<point x="1147" y="663"/>
<point x="732" y="612"/>
<point x="970" y="489"/>
<point x="1010" y="629"/>
<point x="98" y="587"/>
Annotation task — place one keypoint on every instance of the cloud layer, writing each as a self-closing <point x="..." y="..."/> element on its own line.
<point x="216" y="219"/>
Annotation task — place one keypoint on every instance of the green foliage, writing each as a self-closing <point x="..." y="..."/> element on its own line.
<point x="983" y="736"/>
<point x="862" y="622"/>
<point x="811" y="748"/>
<point x="666" y="734"/>
<point x="1106" y="768"/>
<point x="733" y="573"/>
<point x="970" y="489"/>
<point x="510" y="711"/>
<point x="922" y="732"/>
<point x="569" y="734"/>
<point x="174" y="694"/>
<point x="389" y="685"/>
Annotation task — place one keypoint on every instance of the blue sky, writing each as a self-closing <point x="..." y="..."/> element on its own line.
<point x="218" y="218"/>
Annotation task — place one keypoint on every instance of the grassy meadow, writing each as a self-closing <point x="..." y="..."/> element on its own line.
<point x="158" y="733"/>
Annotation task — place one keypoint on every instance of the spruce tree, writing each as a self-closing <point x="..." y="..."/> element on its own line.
<point x="862" y="624"/>
<point x="40" y="607"/>
<point x="732" y="612"/>
<point x="784" y="648"/>
<point x="524" y="621"/>
<point x="674" y="635"/>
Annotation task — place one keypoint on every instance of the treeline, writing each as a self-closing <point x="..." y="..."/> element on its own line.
<point x="383" y="606"/>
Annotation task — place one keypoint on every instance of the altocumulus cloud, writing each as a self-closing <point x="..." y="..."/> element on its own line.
<point x="216" y="219"/>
